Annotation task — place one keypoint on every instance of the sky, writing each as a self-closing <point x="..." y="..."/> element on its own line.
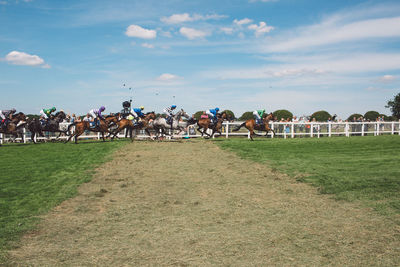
<point x="300" y="55"/>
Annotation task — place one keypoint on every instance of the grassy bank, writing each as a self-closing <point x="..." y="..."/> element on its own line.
<point x="35" y="178"/>
<point x="358" y="168"/>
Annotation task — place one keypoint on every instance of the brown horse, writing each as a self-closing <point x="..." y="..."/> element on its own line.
<point x="129" y="125"/>
<point x="82" y="126"/>
<point x="205" y="124"/>
<point x="251" y="126"/>
<point x="15" y="126"/>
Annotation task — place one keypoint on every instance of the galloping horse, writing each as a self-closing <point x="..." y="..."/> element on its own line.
<point x="15" y="126"/>
<point x="216" y="128"/>
<point x="161" y="123"/>
<point x="82" y="126"/>
<point x="251" y="125"/>
<point x="129" y="125"/>
<point x="53" y="125"/>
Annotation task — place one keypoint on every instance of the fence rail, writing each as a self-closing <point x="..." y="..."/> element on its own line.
<point x="282" y="130"/>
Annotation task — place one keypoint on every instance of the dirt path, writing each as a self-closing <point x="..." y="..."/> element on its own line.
<point x="191" y="203"/>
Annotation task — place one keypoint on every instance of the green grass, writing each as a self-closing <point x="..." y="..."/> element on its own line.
<point x="366" y="169"/>
<point x="35" y="178"/>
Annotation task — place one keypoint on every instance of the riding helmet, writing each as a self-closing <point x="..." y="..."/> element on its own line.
<point x="141" y="107"/>
<point x="13" y="110"/>
<point x="217" y="109"/>
<point x="102" y="108"/>
<point x="173" y="106"/>
<point x="53" y="108"/>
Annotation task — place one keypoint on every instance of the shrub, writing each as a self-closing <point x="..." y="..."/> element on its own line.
<point x="356" y="115"/>
<point x="321" y="115"/>
<point x="371" y="115"/>
<point x="247" y="116"/>
<point x="282" y="113"/>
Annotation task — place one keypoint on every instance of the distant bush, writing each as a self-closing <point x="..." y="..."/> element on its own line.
<point x="283" y="113"/>
<point x="247" y="116"/>
<point x="371" y="115"/>
<point x="321" y="115"/>
<point x="355" y="115"/>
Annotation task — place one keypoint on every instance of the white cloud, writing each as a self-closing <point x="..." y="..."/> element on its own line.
<point x="166" y="34"/>
<point x="242" y="21"/>
<point x="227" y="30"/>
<point x="186" y="17"/>
<point x="21" y="58"/>
<point x="387" y="78"/>
<point x="167" y="77"/>
<point x="139" y="32"/>
<point x="260" y="29"/>
<point x="147" y="45"/>
<point x="333" y="31"/>
<point x="191" y="33"/>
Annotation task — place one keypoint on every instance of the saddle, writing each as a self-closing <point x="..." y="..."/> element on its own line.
<point x="169" y="120"/>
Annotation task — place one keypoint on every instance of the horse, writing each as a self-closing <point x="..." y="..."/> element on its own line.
<point x="251" y="126"/>
<point x="129" y="125"/>
<point x="15" y="126"/>
<point x="204" y="124"/>
<point x="52" y="125"/>
<point x="82" y="126"/>
<point x="161" y="123"/>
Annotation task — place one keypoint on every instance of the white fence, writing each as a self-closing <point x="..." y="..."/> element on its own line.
<point x="282" y="130"/>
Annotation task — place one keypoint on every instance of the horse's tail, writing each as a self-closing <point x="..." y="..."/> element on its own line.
<point x="237" y="128"/>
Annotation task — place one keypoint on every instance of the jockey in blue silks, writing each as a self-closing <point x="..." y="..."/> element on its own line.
<point x="169" y="112"/>
<point x="137" y="113"/>
<point x="212" y="114"/>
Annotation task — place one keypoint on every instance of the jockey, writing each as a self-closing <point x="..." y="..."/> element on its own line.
<point x="169" y="112"/>
<point x="137" y="113"/>
<point x="96" y="113"/>
<point x="258" y="114"/>
<point x="212" y="114"/>
<point x="46" y="113"/>
<point x="6" y="115"/>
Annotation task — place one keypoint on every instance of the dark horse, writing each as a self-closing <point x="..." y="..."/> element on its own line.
<point x="15" y="126"/>
<point x="52" y="125"/>
<point x="82" y="126"/>
<point x="205" y="124"/>
<point x="251" y="125"/>
<point x="129" y="125"/>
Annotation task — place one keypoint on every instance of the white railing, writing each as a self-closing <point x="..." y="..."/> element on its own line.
<point x="282" y="129"/>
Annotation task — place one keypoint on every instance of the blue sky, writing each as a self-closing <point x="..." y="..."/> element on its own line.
<point x="300" y="55"/>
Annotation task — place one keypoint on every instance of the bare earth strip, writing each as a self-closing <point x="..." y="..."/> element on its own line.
<point x="193" y="204"/>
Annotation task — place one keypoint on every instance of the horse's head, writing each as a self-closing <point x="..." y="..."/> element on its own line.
<point x="270" y="117"/>
<point x="182" y="113"/>
<point x="19" y="117"/>
<point x="60" y="116"/>
<point x="150" y="115"/>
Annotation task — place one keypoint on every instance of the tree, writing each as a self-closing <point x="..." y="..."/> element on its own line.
<point x="355" y="115"/>
<point x="246" y="116"/>
<point x="283" y="113"/>
<point x="371" y="115"/>
<point x="321" y="115"/>
<point x="394" y="106"/>
<point x="230" y="112"/>
<point x="198" y="114"/>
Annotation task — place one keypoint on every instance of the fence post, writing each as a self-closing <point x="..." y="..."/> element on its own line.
<point x="392" y="127"/>
<point x="330" y="129"/>
<point x="377" y="128"/>
<point x="1" y="138"/>
<point x="362" y="129"/>
<point x="311" y="129"/>
<point x="227" y="129"/>
<point x="98" y="135"/>
<point x="292" y="129"/>
<point x="24" y="135"/>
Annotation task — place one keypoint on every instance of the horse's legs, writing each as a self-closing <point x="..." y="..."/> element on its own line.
<point x="251" y="134"/>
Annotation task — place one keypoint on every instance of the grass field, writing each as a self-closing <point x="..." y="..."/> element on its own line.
<point x="35" y="178"/>
<point x="358" y="168"/>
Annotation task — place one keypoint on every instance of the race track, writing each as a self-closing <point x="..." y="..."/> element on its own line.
<point x="191" y="203"/>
